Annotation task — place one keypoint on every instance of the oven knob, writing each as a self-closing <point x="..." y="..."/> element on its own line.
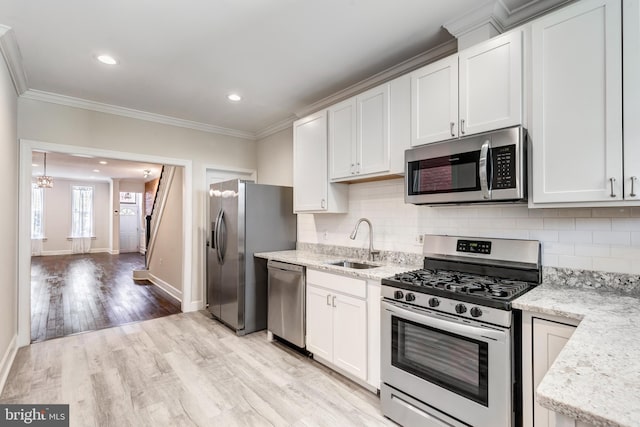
<point x="461" y="308"/>
<point x="410" y="297"/>
<point x="434" y="302"/>
<point x="398" y="295"/>
<point x="476" y="312"/>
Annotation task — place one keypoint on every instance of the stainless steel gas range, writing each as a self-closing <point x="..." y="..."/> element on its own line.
<point x="450" y="342"/>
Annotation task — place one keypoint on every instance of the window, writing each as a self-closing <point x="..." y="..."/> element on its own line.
<point x="81" y="211"/>
<point x="37" y="212"/>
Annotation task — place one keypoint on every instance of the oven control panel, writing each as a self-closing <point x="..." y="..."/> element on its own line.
<point x="474" y="246"/>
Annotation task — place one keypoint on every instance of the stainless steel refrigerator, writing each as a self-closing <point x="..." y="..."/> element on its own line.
<point x="245" y="218"/>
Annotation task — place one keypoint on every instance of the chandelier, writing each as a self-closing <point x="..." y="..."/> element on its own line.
<point x="44" y="181"/>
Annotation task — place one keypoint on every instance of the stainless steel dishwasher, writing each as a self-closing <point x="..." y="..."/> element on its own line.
<point x="286" y="311"/>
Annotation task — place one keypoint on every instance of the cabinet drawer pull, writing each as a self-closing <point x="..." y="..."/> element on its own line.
<point x="451" y="125"/>
<point x="633" y="180"/>
<point x="612" y="180"/>
<point x="322" y="204"/>
<point x="462" y="126"/>
<point x="333" y="303"/>
<point x="328" y="299"/>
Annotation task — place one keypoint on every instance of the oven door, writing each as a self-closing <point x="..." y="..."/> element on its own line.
<point x="460" y="368"/>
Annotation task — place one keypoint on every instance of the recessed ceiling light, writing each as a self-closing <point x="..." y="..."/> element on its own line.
<point x="96" y="170"/>
<point x="85" y="156"/>
<point x="102" y="162"/>
<point x="107" y="59"/>
<point x="234" y="97"/>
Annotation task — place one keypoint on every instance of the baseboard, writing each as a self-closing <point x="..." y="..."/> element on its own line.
<point x="7" y="361"/>
<point x="114" y="252"/>
<point x="165" y="286"/>
<point x="69" y="252"/>
<point x="193" y="306"/>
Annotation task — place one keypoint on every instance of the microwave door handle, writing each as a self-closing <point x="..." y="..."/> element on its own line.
<point x="483" y="166"/>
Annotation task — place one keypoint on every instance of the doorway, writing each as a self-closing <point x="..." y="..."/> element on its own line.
<point x="24" y="226"/>
<point x="130" y="222"/>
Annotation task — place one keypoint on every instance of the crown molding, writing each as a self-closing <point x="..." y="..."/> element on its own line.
<point x="493" y="13"/>
<point x="530" y="10"/>
<point x="11" y="53"/>
<point x="276" y="127"/>
<point x="404" y="67"/>
<point x="500" y="16"/>
<point x="71" y="101"/>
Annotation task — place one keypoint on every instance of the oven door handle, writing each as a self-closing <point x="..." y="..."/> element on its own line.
<point x="450" y="326"/>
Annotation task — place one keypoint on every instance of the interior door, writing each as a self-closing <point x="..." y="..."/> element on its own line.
<point x="231" y="253"/>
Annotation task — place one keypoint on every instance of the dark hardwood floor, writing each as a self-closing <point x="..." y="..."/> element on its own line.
<point x="85" y="292"/>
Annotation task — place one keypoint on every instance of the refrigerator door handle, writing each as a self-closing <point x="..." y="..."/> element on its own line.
<point x="216" y="235"/>
<point x="222" y="235"/>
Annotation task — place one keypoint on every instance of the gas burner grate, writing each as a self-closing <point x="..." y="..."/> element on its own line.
<point x="462" y="283"/>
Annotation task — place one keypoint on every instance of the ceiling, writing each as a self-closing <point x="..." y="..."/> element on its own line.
<point x="83" y="168"/>
<point x="181" y="59"/>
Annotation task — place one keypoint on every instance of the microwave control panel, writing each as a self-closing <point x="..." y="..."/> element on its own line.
<point x="474" y="246"/>
<point x="504" y="167"/>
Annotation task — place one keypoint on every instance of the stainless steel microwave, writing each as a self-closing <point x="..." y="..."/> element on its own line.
<point x="488" y="167"/>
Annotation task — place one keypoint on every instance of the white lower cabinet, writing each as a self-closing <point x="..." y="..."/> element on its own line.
<point x="340" y="332"/>
<point x="543" y="338"/>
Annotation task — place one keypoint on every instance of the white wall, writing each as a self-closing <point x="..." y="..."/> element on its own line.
<point x="606" y="239"/>
<point x="275" y="158"/>
<point x="168" y="245"/>
<point x="131" y="186"/>
<point x="8" y="218"/>
<point x="57" y="216"/>
<point x="52" y="123"/>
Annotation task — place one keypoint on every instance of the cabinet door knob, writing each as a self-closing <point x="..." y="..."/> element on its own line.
<point x="322" y="204"/>
<point x="633" y="180"/>
<point x="451" y="125"/>
<point x="612" y="181"/>
<point x="462" y="126"/>
<point x="328" y="299"/>
<point x="333" y="303"/>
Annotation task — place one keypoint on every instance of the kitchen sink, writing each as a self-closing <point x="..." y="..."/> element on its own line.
<point x="353" y="264"/>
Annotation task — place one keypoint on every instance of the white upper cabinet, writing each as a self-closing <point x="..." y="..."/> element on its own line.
<point x="373" y="131"/>
<point x="576" y="123"/>
<point x="369" y="132"/>
<point x="631" y="106"/>
<point x="342" y="139"/>
<point x="434" y="101"/>
<point x="477" y="90"/>
<point x="491" y="84"/>
<point x="312" y="191"/>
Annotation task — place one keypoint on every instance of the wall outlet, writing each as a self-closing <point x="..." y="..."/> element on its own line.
<point x="325" y="235"/>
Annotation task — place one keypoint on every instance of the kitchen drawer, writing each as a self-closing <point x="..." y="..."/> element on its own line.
<point x="336" y="282"/>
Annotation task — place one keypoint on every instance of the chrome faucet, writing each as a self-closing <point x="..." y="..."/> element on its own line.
<point x="372" y="252"/>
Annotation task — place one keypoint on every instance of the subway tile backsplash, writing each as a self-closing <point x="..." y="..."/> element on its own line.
<point x="604" y="239"/>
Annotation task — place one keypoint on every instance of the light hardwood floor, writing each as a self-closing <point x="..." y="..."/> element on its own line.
<point x="185" y="370"/>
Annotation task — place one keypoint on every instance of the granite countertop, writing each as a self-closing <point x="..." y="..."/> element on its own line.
<point x="596" y="377"/>
<point x="319" y="262"/>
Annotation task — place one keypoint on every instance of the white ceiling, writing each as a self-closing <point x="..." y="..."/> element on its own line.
<point x="181" y="58"/>
<point x="82" y="168"/>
